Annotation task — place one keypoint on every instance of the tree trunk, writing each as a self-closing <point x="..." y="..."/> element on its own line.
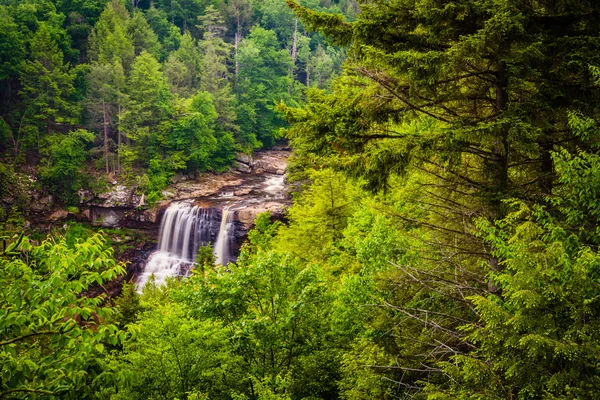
<point x="295" y="42"/>
<point x="105" y="108"/>
<point x="308" y="71"/>
<point x="500" y="147"/>
<point x="119" y="142"/>
<point x="499" y="169"/>
<point x="238" y="34"/>
<point x="293" y="53"/>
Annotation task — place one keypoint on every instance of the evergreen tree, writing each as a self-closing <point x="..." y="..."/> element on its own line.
<point x="12" y="51"/>
<point x="214" y="77"/>
<point x="475" y="96"/>
<point x="168" y="34"/>
<point x="109" y="39"/>
<point x="106" y="83"/>
<point x="472" y="69"/>
<point x="263" y="80"/>
<point x="47" y="86"/>
<point x="148" y="105"/>
<point x="189" y="54"/>
<point x="142" y="36"/>
<point x="178" y="75"/>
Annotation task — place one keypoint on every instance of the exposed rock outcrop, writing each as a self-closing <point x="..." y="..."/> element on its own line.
<point x="124" y="206"/>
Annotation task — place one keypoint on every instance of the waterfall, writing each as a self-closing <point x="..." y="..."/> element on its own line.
<point x="183" y="229"/>
<point x="226" y="236"/>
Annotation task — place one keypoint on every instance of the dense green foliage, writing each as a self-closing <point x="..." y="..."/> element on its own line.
<point x="456" y="110"/>
<point x="52" y="334"/>
<point x="165" y="87"/>
<point x="443" y="241"/>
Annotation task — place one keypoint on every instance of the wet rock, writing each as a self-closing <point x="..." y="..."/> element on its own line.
<point x="243" y="192"/>
<point x="244" y="158"/>
<point x="207" y="184"/>
<point x="168" y="194"/>
<point x="241" y="167"/>
<point x="273" y="162"/>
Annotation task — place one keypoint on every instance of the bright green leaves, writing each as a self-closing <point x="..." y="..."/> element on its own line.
<point x="320" y="216"/>
<point x="263" y="80"/>
<point x="64" y="156"/>
<point x="11" y="45"/>
<point x="50" y="330"/>
<point x="171" y="355"/>
<point x="276" y="310"/>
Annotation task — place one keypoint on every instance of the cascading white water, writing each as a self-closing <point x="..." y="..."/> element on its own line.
<point x="184" y="228"/>
<point x="226" y="236"/>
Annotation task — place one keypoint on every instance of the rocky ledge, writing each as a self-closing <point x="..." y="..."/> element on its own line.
<point x="257" y="181"/>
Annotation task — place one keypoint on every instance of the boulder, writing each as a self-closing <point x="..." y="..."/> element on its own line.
<point x="272" y="163"/>
<point x="243" y="192"/>
<point x="241" y="167"/>
<point x="107" y="217"/>
<point x="85" y="195"/>
<point x="244" y="158"/>
<point x="246" y="216"/>
<point x="178" y="177"/>
<point x="58" y="215"/>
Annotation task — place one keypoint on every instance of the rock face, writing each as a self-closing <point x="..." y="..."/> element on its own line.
<point x="255" y="184"/>
<point x="119" y="196"/>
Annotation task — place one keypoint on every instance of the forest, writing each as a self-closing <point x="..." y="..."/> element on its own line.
<point x="442" y="241"/>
